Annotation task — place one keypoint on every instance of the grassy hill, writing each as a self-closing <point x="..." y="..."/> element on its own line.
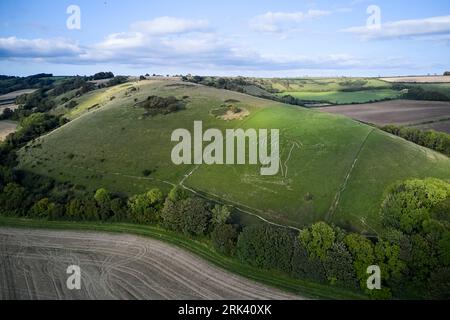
<point x="333" y="168"/>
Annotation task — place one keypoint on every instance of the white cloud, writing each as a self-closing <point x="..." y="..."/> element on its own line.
<point x="154" y="40"/>
<point x="419" y="28"/>
<point x="123" y="40"/>
<point x="278" y="22"/>
<point x="36" y="48"/>
<point x="169" y="25"/>
<point x="189" y="46"/>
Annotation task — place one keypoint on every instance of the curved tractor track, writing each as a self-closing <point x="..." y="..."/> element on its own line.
<point x="33" y="265"/>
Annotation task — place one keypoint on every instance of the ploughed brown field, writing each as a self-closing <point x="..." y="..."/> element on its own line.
<point x="8" y="100"/>
<point x="33" y="265"/>
<point x="433" y="114"/>
<point x="443" y="126"/>
<point x="13" y="95"/>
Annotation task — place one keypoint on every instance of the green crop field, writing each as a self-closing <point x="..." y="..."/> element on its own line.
<point x="322" y="84"/>
<point x="343" y="97"/>
<point x="332" y="168"/>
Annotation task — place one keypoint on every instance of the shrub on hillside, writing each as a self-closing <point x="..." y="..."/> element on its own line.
<point x="266" y="247"/>
<point x="145" y="208"/>
<point x="190" y="216"/>
<point x="154" y="105"/>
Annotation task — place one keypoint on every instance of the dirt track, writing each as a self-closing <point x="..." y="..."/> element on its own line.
<point x="33" y="265"/>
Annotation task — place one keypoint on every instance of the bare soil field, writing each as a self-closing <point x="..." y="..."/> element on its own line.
<point x="6" y="127"/>
<point x="33" y="265"/>
<point x="399" y="112"/>
<point x="13" y="95"/>
<point x="443" y="126"/>
<point x="11" y="106"/>
<point x="420" y="79"/>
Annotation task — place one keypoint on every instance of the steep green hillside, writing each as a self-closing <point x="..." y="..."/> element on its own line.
<point x="332" y="168"/>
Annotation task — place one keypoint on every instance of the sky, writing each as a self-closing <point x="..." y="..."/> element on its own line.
<point x="266" y="38"/>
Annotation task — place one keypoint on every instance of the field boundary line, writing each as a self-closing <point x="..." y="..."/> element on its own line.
<point x="337" y="197"/>
<point x="236" y="205"/>
<point x="201" y="194"/>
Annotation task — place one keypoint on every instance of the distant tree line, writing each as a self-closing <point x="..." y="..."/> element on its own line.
<point x="416" y="92"/>
<point x="235" y="84"/>
<point x="74" y="83"/>
<point x="10" y="84"/>
<point x="102" y="75"/>
<point x="439" y="141"/>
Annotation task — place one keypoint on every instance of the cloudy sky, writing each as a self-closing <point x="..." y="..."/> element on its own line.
<point x="233" y="37"/>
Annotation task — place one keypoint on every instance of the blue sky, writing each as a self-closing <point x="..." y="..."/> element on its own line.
<point x="246" y="37"/>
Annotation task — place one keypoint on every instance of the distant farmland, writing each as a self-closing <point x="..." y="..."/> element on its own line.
<point x="399" y="112"/>
<point x="9" y="100"/>
<point x="9" y="97"/>
<point x="340" y="97"/>
<point x="418" y="79"/>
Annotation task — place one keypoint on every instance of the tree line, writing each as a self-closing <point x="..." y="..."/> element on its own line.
<point x="438" y="141"/>
<point x="11" y="83"/>
<point x="417" y="92"/>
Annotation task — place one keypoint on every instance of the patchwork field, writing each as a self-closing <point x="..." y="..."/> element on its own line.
<point x="8" y="100"/>
<point x="9" y="97"/>
<point x="33" y="265"/>
<point x="400" y="112"/>
<point x="332" y="168"/>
